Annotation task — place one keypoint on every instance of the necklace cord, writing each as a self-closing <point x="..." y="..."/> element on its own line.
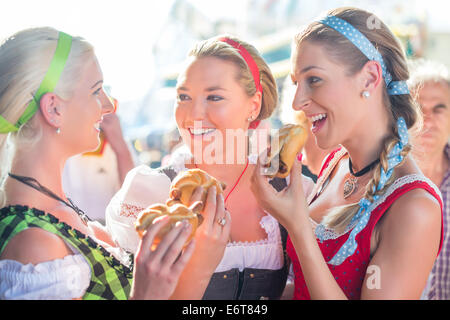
<point x="33" y="183"/>
<point x="364" y="170"/>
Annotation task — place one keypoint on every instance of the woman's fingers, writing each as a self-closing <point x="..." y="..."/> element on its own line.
<point x="173" y="242"/>
<point x="226" y="229"/>
<point x="295" y="176"/>
<point x="209" y="210"/>
<point x="149" y="235"/>
<point x="259" y="184"/>
<point x="197" y="194"/>
<point x="179" y="265"/>
<point x="220" y="213"/>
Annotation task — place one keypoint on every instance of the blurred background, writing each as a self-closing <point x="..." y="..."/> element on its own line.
<point x="141" y="44"/>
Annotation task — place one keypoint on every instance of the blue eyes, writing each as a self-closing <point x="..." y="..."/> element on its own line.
<point x="97" y="92"/>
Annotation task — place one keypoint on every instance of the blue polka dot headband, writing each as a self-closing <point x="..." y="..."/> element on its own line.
<point x="367" y="48"/>
<point x="366" y="206"/>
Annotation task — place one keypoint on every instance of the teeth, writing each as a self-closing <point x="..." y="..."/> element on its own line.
<point x="318" y="117"/>
<point x="196" y="132"/>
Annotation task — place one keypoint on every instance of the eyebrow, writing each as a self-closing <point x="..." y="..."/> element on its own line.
<point x="309" y="68"/>
<point x="213" y="88"/>
<point x="99" y="81"/>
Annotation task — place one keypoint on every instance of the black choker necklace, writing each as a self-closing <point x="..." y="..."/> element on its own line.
<point x="364" y="170"/>
<point x="351" y="183"/>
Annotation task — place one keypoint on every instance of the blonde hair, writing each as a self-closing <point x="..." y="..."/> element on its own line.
<point x="342" y="51"/>
<point x="24" y="59"/>
<point x="214" y="47"/>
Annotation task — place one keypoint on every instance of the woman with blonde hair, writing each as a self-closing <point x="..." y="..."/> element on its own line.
<point x="223" y="92"/>
<point x="376" y="220"/>
<point x="51" y="106"/>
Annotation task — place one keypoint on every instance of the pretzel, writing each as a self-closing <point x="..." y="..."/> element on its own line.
<point x="184" y="185"/>
<point x="176" y="212"/>
<point x="291" y="139"/>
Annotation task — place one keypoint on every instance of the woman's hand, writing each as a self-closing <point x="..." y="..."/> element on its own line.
<point x="156" y="272"/>
<point x="288" y="205"/>
<point x="211" y="237"/>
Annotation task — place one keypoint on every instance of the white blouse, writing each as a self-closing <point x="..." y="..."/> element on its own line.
<point x="59" y="279"/>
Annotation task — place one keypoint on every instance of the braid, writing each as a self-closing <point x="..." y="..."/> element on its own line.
<point x="340" y="218"/>
<point x="372" y="188"/>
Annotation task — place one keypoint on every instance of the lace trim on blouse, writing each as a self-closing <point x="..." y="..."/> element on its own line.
<point x="331" y="234"/>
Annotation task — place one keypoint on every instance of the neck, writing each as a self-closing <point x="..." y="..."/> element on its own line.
<point x="366" y="145"/>
<point x="227" y="173"/>
<point x="433" y="164"/>
<point x="313" y="155"/>
<point x="46" y="167"/>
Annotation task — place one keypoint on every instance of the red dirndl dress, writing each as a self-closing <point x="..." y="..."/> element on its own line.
<point x="350" y="273"/>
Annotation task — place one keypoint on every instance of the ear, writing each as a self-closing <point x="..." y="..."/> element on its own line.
<point x="50" y="106"/>
<point x="255" y="105"/>
<point x="371" y="76"/>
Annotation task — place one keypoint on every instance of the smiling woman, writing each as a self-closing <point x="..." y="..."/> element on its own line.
<point x="52" y="102"/>
<point x="224" y="87"/>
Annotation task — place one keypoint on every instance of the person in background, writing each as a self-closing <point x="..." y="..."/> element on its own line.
<point x="51" y="107"/>
<point x="91" y="179"/>
<point x="430" y="84"/>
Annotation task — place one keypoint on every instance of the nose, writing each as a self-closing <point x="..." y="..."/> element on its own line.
<point x="108" y="104"/>
<point x="197" y="110"/>
<point x="301" y="98"/>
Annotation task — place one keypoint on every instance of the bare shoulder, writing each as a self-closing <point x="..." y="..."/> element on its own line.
<point x="416" y="213"/>
<point x="35" y="245"/>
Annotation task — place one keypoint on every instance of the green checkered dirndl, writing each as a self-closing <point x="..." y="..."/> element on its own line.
<point x="110" y="279"/>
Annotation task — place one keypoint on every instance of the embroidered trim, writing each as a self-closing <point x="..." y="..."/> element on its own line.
<point x="129" y="210"/>
<point x="331" y="234"/>
<point x="326" y="172"/>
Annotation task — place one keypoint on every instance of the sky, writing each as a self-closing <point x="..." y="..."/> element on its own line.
<point x="122" y="33"/>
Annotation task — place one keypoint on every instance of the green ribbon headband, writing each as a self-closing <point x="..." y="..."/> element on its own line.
<point x="48" y="83"/>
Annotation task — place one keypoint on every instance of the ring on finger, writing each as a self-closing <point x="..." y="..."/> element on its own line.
<point x="222" y="221"/>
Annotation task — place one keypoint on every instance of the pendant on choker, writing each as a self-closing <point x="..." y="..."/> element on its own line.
<point x="350" y="186"/>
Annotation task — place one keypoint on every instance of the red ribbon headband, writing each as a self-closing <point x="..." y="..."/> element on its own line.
<point x="253" y="69"/>
<point x="248" y="59"/>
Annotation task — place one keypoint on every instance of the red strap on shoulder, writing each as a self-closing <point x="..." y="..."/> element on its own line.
<point x="327" y="161"/>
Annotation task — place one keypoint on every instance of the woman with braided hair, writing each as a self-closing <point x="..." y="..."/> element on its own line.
<point x="372" y="226"/>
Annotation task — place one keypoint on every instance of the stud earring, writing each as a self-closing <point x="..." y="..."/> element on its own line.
<point x="58" y="130"/>
<point x="250" y="119"/>
<point x="366" y="94"/>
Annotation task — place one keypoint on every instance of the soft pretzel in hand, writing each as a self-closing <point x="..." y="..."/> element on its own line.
<point x="291" y="139"/>
<point x="177" y="212"/>
<point x="184" y="185"/>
